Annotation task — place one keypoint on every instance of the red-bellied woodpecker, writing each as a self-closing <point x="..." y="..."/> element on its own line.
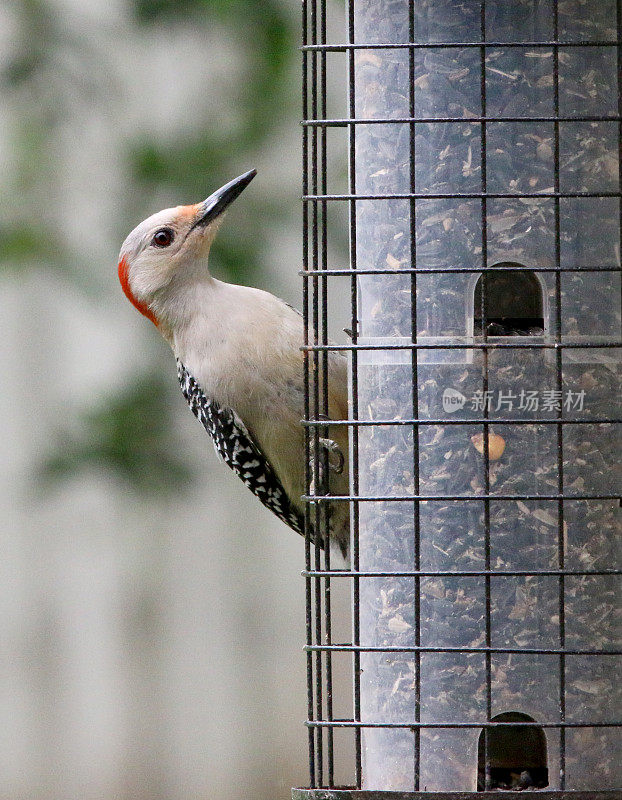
<point x="239" y="358"/>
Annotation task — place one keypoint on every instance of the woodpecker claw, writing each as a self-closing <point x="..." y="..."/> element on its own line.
<point x="336" y="465"/>
<point x="333" y="449"/>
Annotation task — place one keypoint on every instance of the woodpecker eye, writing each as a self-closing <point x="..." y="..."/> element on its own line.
<point x="163" y="237"/>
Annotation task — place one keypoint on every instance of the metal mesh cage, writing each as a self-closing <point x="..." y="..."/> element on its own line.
<point x="484" y="152"/>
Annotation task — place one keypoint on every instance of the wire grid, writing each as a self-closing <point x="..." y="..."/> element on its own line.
<point x="316" y="272"/>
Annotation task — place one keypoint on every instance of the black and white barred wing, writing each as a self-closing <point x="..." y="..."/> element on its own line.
<point x="236" y="447"/>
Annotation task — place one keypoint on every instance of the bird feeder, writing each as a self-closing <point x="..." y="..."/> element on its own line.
<point x="486" y="359"/>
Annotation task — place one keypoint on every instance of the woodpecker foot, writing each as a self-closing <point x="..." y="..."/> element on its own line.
<point x="336" y="465"/>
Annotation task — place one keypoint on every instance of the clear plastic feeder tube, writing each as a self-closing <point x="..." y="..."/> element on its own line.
<point x="495" y="169"/>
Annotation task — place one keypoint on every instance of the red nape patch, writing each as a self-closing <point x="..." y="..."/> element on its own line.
<point x="124" y="278"/>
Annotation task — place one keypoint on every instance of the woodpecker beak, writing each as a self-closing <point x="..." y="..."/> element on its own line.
<point x="216" y="203"/>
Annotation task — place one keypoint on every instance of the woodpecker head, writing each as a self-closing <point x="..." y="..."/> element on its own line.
<point x="170" y="248"/>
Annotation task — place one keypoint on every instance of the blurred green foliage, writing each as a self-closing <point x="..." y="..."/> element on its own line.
<point x="46" y="69"/>
<point x="129" y="433"/>
<point x="20" y="243"/>
<point x="40" y="37"/>
<point x="265" y="37"/>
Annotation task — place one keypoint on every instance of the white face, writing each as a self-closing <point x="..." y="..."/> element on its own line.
<point x="160" y="247"/>
<point x="173" y="242"/>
